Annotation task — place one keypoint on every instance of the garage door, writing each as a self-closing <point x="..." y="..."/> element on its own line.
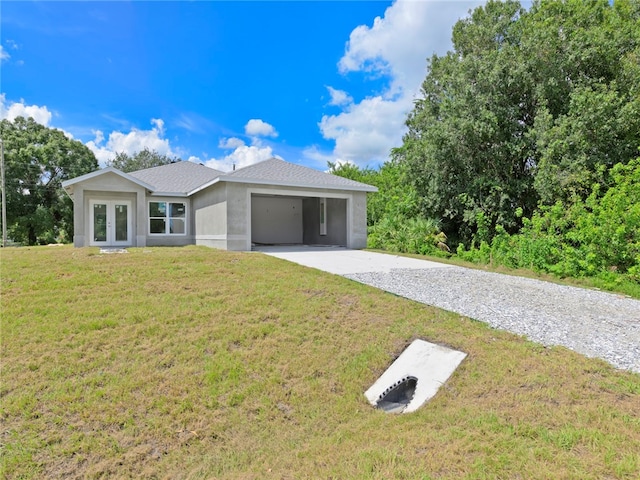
<point x="276" y="220"/>
<point x="280" y="219"/>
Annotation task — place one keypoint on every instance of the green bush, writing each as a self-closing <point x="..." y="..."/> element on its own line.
<point x="598" y="237"/>
<point x="398" y="233"/>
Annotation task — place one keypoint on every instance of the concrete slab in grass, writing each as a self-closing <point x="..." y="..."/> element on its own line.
<point x="110" y="250"/>
<point x="414" y="377"/>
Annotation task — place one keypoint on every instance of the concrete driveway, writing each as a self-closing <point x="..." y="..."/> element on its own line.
<point x="342" y="261"/>
<point x="594" y="323"/>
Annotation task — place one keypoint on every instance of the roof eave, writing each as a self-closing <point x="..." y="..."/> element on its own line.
<point x="257" y="181"/>
<point x="203" y="186"/>
<point x="68" y="184"/>
<point x="169" y="194"/>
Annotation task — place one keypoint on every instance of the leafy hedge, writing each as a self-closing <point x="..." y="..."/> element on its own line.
<point x="408" y="235"/>
<point x="598" y="237"/>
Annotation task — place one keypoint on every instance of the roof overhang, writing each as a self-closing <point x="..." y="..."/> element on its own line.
<point x="203" y="186"/>
<point x="257" y="181"/>
<point x="68" y="184"/>
<point x="170" y="194"/>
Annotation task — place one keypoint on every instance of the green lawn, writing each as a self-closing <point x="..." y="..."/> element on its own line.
<point x="197" y="363"/>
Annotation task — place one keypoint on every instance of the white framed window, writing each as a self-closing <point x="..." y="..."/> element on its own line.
<point x="323" y="216"/>
<point x="167" y="218"/>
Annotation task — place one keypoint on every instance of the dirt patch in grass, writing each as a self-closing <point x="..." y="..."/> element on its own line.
<point x="196" y="363"/>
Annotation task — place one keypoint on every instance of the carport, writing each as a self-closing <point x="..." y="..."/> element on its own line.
<point x="298" y="219"/>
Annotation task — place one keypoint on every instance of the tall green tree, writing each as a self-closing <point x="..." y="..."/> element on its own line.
<point x="467" y="148"/>
<point x="140" y="160"/>
<point x="528" y="106"/>
<point x="37" y="160"/>
<point x="584" y="61"/>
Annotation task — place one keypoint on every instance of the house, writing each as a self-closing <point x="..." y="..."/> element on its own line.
<point x="184" y="203"/>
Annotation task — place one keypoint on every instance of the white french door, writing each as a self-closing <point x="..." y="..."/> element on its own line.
<point x="110" y="223"/>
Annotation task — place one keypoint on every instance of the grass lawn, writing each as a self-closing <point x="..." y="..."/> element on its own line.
<point x="197" y="363"/>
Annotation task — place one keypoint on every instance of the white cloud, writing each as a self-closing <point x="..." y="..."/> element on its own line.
<point x="102" y="153"/>
<point x="242" y="156"/>
<point x="230" y="143"/>
<point x="99" y="136"/>
<point x="12" y="110"/>
<point x="159" y="123"/>
<point x="193" y="122"/>
<point x="4" y="55"/>
<point x="319" y="157"/>
<point x="397" y="47"/>
<point x="133" y="141"/>
<point x="40" y="114"/>
<point x="401" y="42"/>
<point x="339" y="97"/>
<point x="365" y="132"/>
<point x="258" y="128"/>
<point x="339" y="162"/>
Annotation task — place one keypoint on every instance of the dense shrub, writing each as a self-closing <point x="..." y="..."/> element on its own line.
<point x="408" y="235"/>
<point x="597" y="237"/>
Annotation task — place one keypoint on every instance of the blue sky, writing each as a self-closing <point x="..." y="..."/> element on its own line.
<point x="224" y="83"/>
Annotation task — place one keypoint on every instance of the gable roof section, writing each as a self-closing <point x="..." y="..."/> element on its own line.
<point x="278" y="172"/>
<point x="177" y="178"/>
<point x="68" y="184"/>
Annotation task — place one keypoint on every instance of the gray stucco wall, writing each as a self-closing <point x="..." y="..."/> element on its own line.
<point x="221" y="215"/>
<point x="210" y="216"/>
<point x="355" y="211"/>
<point x="358" y="220"/>
<point x="238" y="221"/>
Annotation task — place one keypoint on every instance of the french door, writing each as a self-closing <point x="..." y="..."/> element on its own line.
<point x="110" y="223"/>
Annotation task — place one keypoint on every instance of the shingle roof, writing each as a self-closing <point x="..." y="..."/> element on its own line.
<point x="178" y="177"/>
<point x="278" y="172"/>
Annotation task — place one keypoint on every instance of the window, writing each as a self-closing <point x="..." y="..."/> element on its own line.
<point x="167" y="218"/>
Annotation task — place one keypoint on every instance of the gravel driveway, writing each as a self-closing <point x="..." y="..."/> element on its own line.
<point x="591" y="322"/>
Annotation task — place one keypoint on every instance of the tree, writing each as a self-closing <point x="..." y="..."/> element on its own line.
<point x="467" y="148"/>
<point x="585" y="63"/>
<point x="395" y="198"/>
<point x="393" y="216"/>
<point x="143" y="159"/>
<point x="37" y="160"/>
<point x="528" y="106"/>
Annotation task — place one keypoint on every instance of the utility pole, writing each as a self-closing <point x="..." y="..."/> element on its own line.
<point x="4" y="196"/>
